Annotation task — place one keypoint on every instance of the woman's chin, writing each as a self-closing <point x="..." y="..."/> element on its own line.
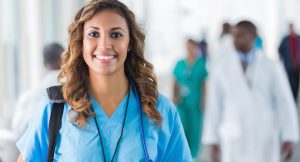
<point x="106" y="71"/>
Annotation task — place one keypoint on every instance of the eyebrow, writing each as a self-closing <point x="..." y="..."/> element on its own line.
<point x="94" y="27"/>
<point x="115" y="28"/>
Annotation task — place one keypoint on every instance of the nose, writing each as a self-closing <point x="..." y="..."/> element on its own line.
<point x="105" y="42"/>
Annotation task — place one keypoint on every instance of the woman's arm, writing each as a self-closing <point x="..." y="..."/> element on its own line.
<point x="175" y="92"/>
<point x="33" y="143"/>
<point x="177" y="147"/>
<point x="20" y="159"/>
<point x="203" y="99"/>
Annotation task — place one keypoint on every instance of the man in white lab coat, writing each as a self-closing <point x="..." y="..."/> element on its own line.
<point x="28" y="101"/>
<point x="250" y="113"/>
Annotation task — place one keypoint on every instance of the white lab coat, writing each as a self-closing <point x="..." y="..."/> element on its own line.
<point x="22" y="114"/>
<point x="223" y="53"/>
<point x="250" y="114"/>
<point x="28" y="101"/>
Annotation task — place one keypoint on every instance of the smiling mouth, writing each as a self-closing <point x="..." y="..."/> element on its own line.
<point x="106" y="58"/>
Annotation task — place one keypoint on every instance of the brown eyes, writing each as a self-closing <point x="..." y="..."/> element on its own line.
<point x="94" y="34"/>
<point x="114" y="35"/>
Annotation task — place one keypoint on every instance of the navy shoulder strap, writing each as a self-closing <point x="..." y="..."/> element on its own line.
<point x="56" y="97"/>
<point x="55" y="94"/>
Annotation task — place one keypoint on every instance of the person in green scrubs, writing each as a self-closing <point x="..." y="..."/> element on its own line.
<point x="189" y="89"/>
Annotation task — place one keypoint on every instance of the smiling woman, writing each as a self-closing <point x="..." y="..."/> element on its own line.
<point x="105" y="43"/>
<point x="111" y="91"/>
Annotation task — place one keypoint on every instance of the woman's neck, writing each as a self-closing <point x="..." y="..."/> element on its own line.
<point x="108" y="90"/>
<point x="191" y="59"/>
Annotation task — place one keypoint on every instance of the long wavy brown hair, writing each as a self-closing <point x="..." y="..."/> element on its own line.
<point x="74" y="71"/>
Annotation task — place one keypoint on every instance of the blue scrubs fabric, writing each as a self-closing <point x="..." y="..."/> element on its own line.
<point x="165" y="143"/>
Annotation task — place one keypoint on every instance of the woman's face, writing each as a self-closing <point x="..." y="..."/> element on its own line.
<point x="105" y="43"/>
<point x="192" y="48"/>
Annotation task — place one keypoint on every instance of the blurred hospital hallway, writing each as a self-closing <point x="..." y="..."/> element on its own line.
<point x="175" y="30"/>
<point x="205" y="150"/>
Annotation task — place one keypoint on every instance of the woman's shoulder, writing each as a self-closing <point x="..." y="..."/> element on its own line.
<point x="165" y="107"/>
<point x="171" y="133"/>
<point x="164" y="102"/>
<point x="43" y="108"/>
<point x="200" y="62"/>
<point x="180" y="62"/>
<point x="40" y="116"/>
<point x="45" y="104"/>
<point x="33" y="143"/>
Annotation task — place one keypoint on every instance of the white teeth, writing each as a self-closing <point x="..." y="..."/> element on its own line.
<point x="105" y="57"/>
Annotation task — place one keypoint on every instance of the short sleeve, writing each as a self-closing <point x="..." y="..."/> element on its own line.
<point x="177" y="149"/>
<point x="203" y="69"/>
<point x="176" y="70"/>
<point x="176" y="146"/>
<point x="33" y="145"/>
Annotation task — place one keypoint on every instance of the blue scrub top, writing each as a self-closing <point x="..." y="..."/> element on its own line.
<point x="167" y="143"/>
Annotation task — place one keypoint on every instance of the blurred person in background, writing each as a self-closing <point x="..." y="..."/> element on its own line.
<point x="203" y="47"/>
<point x="225" y="40"/>
<point x="224" y="45"/>
<point x="226" y="31"/>
<point x="289" y="51"/>
<point x="250" y="113"/>
<point x="28" y="101"/>
<point x="189" y="87"/>
<point x="258" y="42"/>
<point x="224" y="50"/>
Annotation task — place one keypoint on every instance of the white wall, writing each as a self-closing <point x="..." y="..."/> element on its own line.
<point x="168" y="22"/>
<point x="30" y="59"/>
<point x="9" y="49"/>
<point x="33" y="23"/>
<point x="2" y="58"/>
<point x="27" y="25"/>
<point x="42" y="22"/>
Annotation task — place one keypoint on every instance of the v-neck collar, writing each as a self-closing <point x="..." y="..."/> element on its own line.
<point x="117" y="115"/>
<point x="190" y="66"/>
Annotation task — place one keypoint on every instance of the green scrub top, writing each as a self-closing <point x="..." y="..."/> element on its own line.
<point x="190" y="79"/>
